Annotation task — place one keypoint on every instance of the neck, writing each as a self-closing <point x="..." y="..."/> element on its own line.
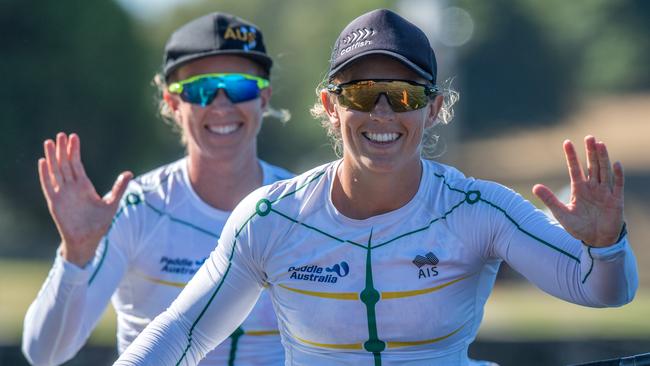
<point x="223" y="183"/>
<point x="360" y="193"/>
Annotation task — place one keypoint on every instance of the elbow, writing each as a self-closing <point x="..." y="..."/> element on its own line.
<point x="628" y="296"/>
<point x="39" y="354"/>
<point x="618" y="298"/>
<point x="33" y="357"/>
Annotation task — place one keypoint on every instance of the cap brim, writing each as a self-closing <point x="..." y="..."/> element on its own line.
<point x="261" y="58"/>
<point x="392" y="54"/>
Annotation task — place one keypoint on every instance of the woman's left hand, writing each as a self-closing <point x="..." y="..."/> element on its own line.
<point x="595" y="212"/>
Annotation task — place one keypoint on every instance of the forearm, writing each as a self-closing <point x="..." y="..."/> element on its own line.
<point x="565" y="268"/>
<point x="611" y="274"/>
<point x="54" y="327"/>
<point x="69" y="306"/>
<point x="551" y="258"/>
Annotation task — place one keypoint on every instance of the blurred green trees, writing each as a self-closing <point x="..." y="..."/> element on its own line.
<point x="86" y="67"/>
<point x="68" y="66"/>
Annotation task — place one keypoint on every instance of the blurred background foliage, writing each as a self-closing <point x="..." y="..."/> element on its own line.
<point x="86" y="67"/>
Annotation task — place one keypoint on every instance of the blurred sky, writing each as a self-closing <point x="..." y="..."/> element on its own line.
<point x="150" y="10"/>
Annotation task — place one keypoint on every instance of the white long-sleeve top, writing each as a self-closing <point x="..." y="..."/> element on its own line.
<point x="160" y="236"/>
<point x="407" y="287"/>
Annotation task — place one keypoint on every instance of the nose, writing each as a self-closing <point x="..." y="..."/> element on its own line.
<point x="382" y="109"/>
<point x="220" y="102"/>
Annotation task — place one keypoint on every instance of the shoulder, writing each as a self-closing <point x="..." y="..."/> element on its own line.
<point x="290" y="194"/>
<point x="454" y="180"/>
<point x="155" y="185"/>
<point x="450" y="188"/>
<point x="293" y="187"/>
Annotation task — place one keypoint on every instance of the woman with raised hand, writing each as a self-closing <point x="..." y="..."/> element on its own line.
<point x="383" y="257"/>
<point x="139" y="248"/>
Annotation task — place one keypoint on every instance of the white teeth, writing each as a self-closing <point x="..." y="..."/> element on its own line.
<point x="223" y="130"/>
<point x="382" y="137"/>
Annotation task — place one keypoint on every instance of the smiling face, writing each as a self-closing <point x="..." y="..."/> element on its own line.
<point x="222" y="129"/>
<point x="380" y="141"/>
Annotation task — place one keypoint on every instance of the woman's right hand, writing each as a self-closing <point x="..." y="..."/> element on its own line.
<point x="81" y="216"/>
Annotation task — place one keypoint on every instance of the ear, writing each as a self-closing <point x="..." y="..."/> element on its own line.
<point x="173" y="103"/>
<point x="171" y="100"/>
<point x="330" y="108"/>
<point x="265" y="96"/>
<point x="432" y="111"/>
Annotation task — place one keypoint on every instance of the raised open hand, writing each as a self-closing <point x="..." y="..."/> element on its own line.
<point x="595" y="212"/>
<point x="82" y="217"/>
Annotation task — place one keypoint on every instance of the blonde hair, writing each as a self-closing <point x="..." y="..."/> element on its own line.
<point x="167" y="114"/>
<point x="429" y="140"/>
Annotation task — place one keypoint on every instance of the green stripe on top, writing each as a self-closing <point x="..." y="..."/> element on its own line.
<point x="101" y="260"/>
<point x="538" y="239"/>
<point x="316" y="176"/>
<point x="370" y="297"/>
<point x="473" y="197"/>
<point x="214" y="294"/>
<point x="262" y="209"/>
<point x="234" y="342"/>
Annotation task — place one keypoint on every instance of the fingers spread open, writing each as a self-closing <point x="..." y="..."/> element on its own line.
<point x="46" y="180"/>
<point x="119" y="187"/>
<point x="62" y="156"/>
<point x="53" y="166"/>
<point x="74" y="152"/>
<point x="550" y="200"/>
<point x="604" y="164"/>
<point x="619" y="180"/>
<point x="592" y="159"/>
<point x="572" y="162"/>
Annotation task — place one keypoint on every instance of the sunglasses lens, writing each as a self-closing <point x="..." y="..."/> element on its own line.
<point x="201" y="92"/>
<point x="406" y="97"/>
<point x="361" y="96"/>
<point x="204" y="90"/>
<point x="240" y="89"/>
<point x="402" y="96"/>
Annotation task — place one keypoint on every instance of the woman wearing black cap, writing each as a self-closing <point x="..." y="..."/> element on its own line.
<point x="383" y="258"/>
<point x="215" y="89"/>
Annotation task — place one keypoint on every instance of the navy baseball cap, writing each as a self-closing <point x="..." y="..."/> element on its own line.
<point x="215" y="34"/>
<point x="384" y="32"/>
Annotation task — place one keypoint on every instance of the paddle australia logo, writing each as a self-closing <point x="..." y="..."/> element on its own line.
<point x="356" y="39"/>
<point x="180" y="265"/>
<point x="314" y="273"/>
<point x="426" y="265"/>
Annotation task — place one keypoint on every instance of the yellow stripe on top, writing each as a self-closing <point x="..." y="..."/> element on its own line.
<point x="426" y="341"/>
<point x="387" y="295"/>
<point x="261" y="332"/>
<point x="327" y="295"/>
<point x="163" y="282"/>
<point x="400" y="294"/>
<point x="357" y="346"/>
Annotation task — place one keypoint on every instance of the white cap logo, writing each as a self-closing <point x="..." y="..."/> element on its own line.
<point x="358" y="38"/>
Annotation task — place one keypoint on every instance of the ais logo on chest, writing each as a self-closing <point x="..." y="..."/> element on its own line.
<point x="426" y="265"/>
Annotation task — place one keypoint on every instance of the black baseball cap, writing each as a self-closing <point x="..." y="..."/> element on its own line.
<point x="215" y="34"/>
<point x="384" y="32"/>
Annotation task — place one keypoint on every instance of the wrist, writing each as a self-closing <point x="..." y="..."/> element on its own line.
<point x="621" y="235"/>
<point x="75" y="257"/>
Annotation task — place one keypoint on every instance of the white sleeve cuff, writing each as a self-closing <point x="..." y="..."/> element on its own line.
<point x="70" y="273"/>
<point x="611" y="252"/>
